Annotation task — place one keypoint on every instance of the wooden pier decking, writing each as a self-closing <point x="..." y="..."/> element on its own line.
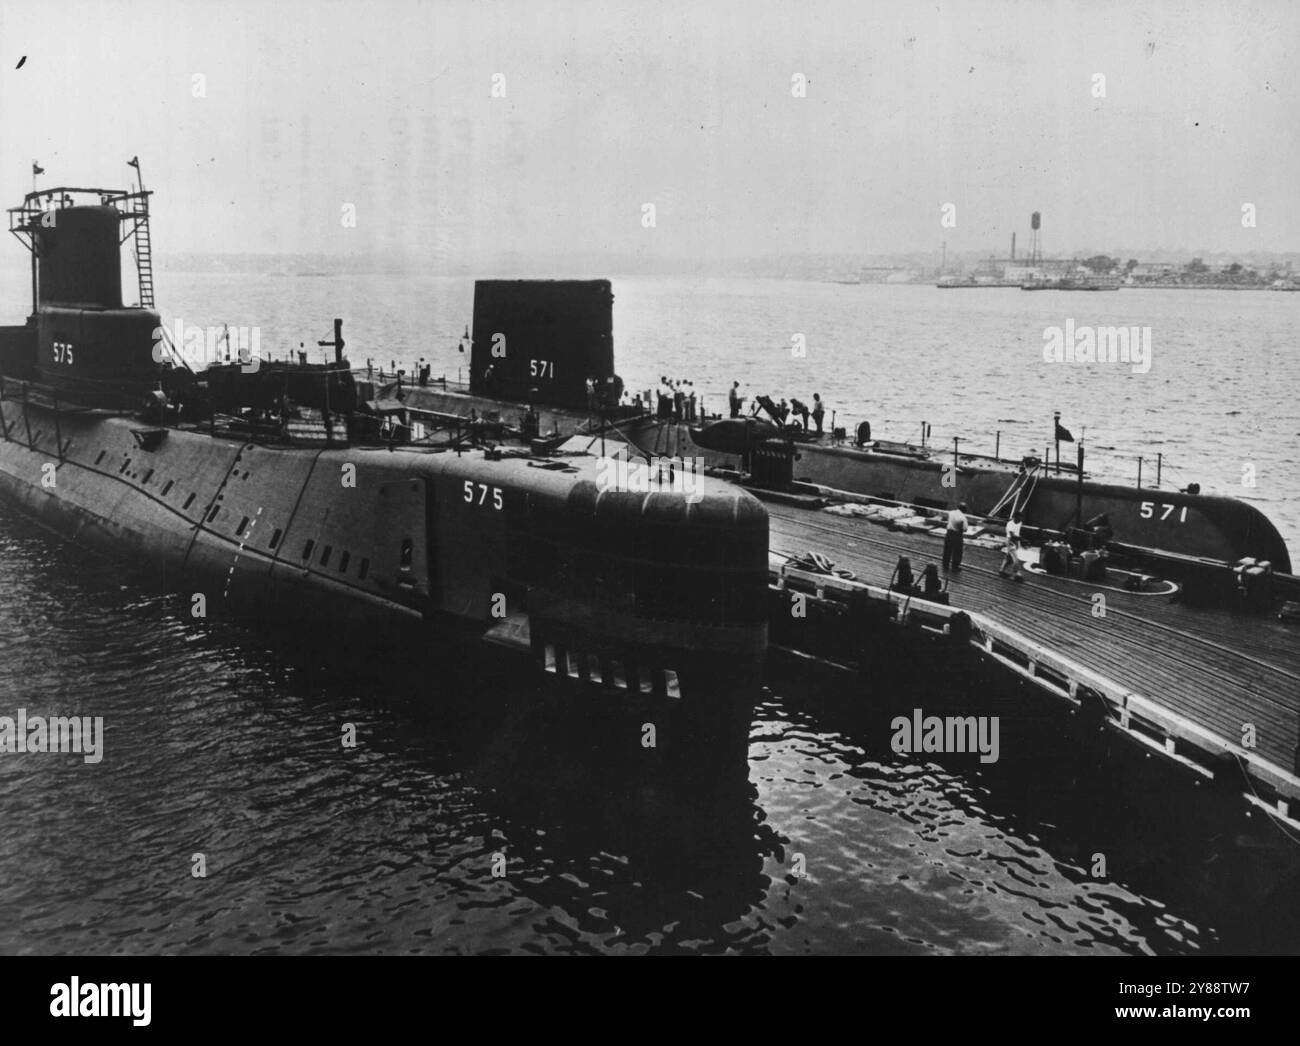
<point x="1194" y="684"/>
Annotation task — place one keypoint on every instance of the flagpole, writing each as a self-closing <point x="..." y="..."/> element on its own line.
<point x="1056" y="432"/>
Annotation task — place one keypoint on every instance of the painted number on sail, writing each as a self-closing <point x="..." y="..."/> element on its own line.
<point x="63" y="352"/>
<point x="541" y="368"/>
<point x="481" y="497"/>
<point x="1149" y="511"/>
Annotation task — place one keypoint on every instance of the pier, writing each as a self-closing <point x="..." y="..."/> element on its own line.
<point x="1216" y="691"/>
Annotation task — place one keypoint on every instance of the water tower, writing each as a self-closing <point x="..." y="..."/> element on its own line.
<point x="1035" y="246"/>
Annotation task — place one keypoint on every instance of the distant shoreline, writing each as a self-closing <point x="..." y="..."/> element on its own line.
<point x="1201" y="287"/>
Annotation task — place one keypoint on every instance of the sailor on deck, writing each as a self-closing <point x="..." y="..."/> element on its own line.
<point x="1010" y="556"/>
<point x="953" y="538"/>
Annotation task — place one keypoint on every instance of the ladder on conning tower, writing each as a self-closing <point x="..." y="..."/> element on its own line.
<point x="143" y="249"/>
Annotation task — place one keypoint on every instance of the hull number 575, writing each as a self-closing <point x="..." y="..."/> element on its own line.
<point x="481" y="498"/>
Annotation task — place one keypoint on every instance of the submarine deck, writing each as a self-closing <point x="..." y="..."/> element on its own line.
<point x="1213" y="670"/>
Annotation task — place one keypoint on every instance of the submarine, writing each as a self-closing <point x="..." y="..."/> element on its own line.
<point x="1150" y="525"/>
<point x="275" y="488"/>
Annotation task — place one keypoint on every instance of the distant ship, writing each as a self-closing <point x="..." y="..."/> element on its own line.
<point x="274" y="486"/>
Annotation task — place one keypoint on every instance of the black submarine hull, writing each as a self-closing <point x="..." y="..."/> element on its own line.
<point x="374" y="540"/>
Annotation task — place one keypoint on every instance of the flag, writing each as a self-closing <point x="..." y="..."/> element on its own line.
<point x="37" y="169"/>
<point x="1063" y="434"/>
<point x="134" y="162"/>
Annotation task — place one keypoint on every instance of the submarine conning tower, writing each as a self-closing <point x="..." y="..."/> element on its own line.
<point x="540" y="341"/>
<point x="80" y="344"/>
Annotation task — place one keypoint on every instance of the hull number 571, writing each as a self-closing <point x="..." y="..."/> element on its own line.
<point x="1149" y="511"/>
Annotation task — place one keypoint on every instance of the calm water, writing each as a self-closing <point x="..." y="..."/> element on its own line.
<point x="225" y="741"/>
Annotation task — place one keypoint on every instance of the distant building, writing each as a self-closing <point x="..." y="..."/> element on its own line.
<point x="1150" y="272"/>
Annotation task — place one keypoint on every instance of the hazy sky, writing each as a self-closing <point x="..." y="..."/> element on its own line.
<point x="689" y="106"/>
